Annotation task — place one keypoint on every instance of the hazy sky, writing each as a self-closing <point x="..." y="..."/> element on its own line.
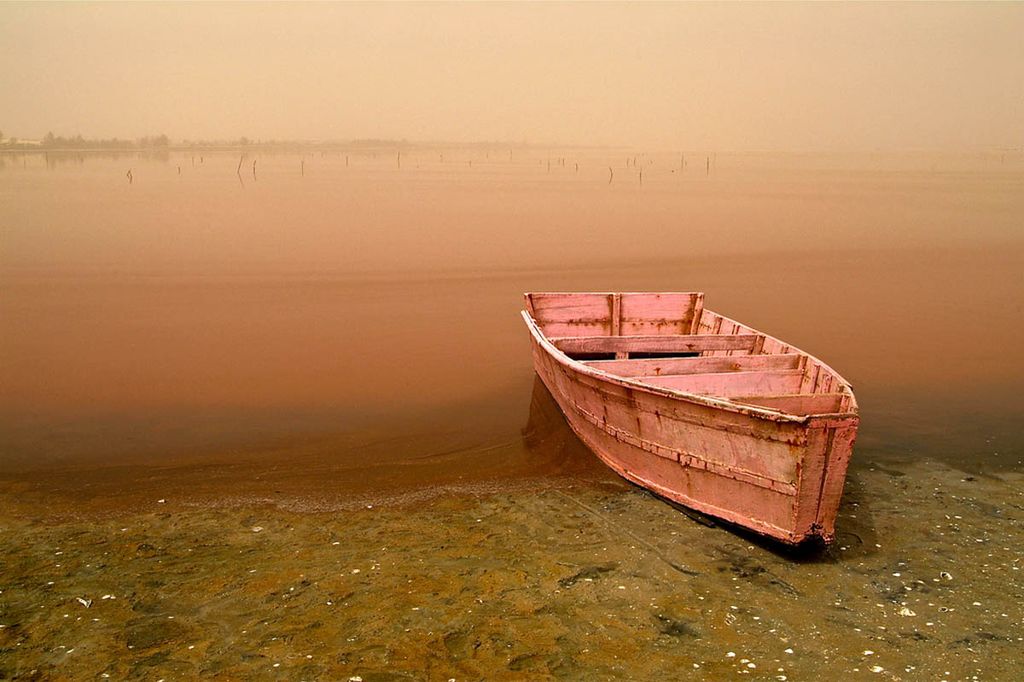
<point x="735" y="76"/>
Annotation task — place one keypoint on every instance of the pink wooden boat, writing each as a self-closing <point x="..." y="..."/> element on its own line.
<point x="699" y="408"/>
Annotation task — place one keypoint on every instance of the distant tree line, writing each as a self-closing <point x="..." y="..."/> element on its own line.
<point x="51" y="141"/>
<point x="162" y="142"/>
<point x="148" y="142"/>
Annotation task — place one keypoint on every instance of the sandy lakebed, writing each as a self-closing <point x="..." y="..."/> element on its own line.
<point x="556" y="578"/>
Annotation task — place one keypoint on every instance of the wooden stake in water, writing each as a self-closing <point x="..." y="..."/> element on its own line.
<point x="611" y="174"/>
<point x="239" y="169"/>
<point x="399" y="159"/>
<point x="303" y="168"/>
<point x="130" y="179"/>
<point x="708" y="166"/>
<point x="254" y="169"/>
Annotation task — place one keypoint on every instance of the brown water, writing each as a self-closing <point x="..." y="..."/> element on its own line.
<point x="350" y="337"/>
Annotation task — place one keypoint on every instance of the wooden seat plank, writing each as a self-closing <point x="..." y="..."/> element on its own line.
<point x="666" y="343"/>
<point x="799" y="403"/>
<point x="730" y="384"/>
<point x="697" y="365"/>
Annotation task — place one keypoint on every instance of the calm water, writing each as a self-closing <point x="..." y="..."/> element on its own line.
<point x="342" y="311"/>
<point x="192" y="363"/>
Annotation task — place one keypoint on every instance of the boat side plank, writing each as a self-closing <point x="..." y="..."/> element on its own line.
<point x="680" y="408"/>
<point x="715" y="471"/>
<point x="698" y="435"/>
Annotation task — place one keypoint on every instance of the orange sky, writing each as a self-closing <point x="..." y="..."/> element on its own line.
<point x="735" y="76"/>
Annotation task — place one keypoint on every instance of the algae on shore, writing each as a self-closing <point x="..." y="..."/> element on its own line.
<point x="541" y="582"/>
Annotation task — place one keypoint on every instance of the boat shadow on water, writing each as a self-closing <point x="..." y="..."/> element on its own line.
<point x="550" y="441"/>
<point x="548" y="436"/>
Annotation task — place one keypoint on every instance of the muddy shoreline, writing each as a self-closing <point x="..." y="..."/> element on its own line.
<point x="564" y="578"/>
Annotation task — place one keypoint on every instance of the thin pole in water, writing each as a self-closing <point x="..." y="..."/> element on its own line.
<point x="303" y="168"/>
<point x="611" y="174"/>
<point x="130" y="179"/>
<point x="254" y="169"/>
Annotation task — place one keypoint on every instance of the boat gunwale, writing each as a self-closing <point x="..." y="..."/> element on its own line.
<point x="855" y="408"/>
<point x="726" y="404"/>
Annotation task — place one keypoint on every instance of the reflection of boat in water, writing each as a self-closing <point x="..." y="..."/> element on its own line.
<point x="552" y="445"/>
<point x="699" y="408"/>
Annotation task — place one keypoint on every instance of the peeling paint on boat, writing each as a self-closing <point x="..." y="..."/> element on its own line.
<point x="699" y="408"/>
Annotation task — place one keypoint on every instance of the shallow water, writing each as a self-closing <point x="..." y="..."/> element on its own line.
<point x="254" y="350"/>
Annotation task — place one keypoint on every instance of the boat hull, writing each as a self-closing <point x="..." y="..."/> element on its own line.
<point x="782" y="477"/>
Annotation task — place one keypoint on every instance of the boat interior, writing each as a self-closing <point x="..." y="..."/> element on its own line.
<point x="671" y="341"/>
